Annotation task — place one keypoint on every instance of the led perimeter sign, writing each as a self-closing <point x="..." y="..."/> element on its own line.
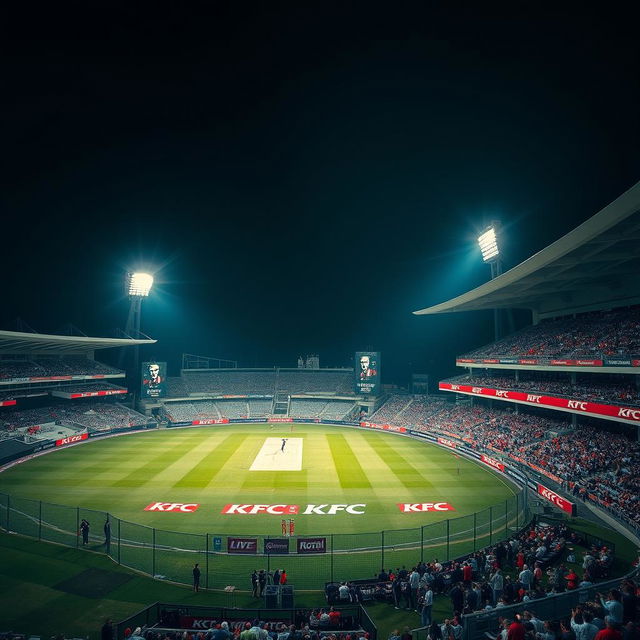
<point x="154" y="379"/>
<point x="367" y="372"/>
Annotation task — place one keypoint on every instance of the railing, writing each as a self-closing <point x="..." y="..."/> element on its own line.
<point x="170" y="555"/>
<point x="172" y="616"/>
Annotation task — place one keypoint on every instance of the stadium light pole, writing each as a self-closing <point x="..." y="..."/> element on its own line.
<point x="138" y="286"/>
<point x="489" y="242"/>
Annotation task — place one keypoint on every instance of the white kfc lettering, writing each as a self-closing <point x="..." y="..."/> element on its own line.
<point x="476" y="390"/>
<point x="531" y="398"/>
<point x="502" y="394"/>
<point x="634" y="414"/>
<point x="576" y="404"/>
<point x="183" y="507"/>
<point x="455" y="387"/>
<point x="312" y="509"/>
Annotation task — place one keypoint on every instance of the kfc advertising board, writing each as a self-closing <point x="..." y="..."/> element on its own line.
<point x="78" y="437"/>
<point x="491" y="462"/>
<point x="630" y="415"/>
<point x="562" y="503"/>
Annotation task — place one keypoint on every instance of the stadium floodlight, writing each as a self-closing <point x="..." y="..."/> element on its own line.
<point x="139" y="284"/>
<point x="488" y="242"/>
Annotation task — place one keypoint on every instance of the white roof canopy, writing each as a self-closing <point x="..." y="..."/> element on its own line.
<point x="597" y="265"/>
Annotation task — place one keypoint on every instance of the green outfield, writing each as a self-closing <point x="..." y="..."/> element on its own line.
<point x="374" y="497"/>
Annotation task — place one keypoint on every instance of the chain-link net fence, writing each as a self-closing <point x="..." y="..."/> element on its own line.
<point x="229" y="560"/>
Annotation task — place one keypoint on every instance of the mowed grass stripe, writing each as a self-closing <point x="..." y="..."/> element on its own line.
<point x="276" y="480"/>
<point x="156" y="465"/>
<point x="350" y="473"/>
<point x="407" y="474"/>
<point x="211" y="464"/>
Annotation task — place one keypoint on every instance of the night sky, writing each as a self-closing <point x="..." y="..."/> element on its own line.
<point x="301" y="179"/>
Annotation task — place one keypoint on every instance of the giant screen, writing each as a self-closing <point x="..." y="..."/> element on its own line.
<point x="154" y="379"/>
<point x="367" y="372"/>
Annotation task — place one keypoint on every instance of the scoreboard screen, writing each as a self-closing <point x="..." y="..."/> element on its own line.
<point x="367" y="372"/>
<point x="153" y="379"/>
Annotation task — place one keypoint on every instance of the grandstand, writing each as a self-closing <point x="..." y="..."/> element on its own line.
<point x="52" y="387"/>
<point x="265" y="382"/>
<point x="579" y="357"/>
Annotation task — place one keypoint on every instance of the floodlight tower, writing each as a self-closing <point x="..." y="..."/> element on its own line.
<point x="489" y="242"/>
<point x="138" y="285"/>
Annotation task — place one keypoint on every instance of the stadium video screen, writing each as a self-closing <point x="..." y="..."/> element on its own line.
<point x="154" y="379"/>
<point x="367" y="372"/>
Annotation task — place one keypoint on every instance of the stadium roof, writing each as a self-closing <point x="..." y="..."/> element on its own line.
<point x="595" y="266"/>
<point x="18" y="342"/>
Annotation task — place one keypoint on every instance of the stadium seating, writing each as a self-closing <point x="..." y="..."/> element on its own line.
<point x="263" y="382"/>
<point x="48" y="367"/>
<point x="593" y="335"/>
<point x="96" y="416"/>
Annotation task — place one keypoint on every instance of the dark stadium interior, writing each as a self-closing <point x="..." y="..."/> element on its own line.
<point x="299" y="181"/>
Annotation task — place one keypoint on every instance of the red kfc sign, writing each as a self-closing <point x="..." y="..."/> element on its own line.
<point x="494" y="464"/>
<point x="253" y="509"/>
<point x="447" y="443"/>
<point x="70" y="439"/>
<point x="560" y="502"/>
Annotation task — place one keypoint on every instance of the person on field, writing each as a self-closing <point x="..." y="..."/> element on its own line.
<point x="107" y="536"/>
<point x="254" y="583"/>
<point x="84" y="530"/>
<point x="283" y="577"/>
<point x="196" y="577"/>
<point x="284" y="442"/>
<point x="262" y="582"/>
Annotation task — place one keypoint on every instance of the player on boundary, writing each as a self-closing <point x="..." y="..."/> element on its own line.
<point x="284" y="442"/>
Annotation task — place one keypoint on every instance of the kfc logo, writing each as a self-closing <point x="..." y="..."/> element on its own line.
<point x="576" y="404"/>
<point x="476" y="389"/>
<point x="293" y="509"/>
<point x="502" y="394"/>
<point x="253" y="509"/>
<point x="332" y="509"/>
<point x="492" y="463"/>
<point x="447" y="443"/>
<point x="182" y="507"/>
<point x="424" y="507"/>
<point x="557" y="500"/>
<point x="455" y="387"/>
<point x="70" y="439"/>
<point x="532" y="398"/>
<point x="634" y="414"/>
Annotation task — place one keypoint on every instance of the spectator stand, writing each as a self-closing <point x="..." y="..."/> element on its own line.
<point x="164" y="617"/>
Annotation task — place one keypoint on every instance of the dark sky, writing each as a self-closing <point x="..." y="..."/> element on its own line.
<point x="302" y="179"/>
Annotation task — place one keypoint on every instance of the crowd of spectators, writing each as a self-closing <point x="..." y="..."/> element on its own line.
<point x="187" y="411"/>
<point x="597" y="464"/>
<point x="263" y="382"/>
<point x="96" y="416"/>
<point x="608" y="334"/>
<point x="594" y="389"/>
<point x="88" y="387"/>
<point x="48" y="367"/>
<point x="539" y="562"/>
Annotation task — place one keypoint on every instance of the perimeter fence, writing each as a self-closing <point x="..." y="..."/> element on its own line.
<point x="311" y="560"/>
